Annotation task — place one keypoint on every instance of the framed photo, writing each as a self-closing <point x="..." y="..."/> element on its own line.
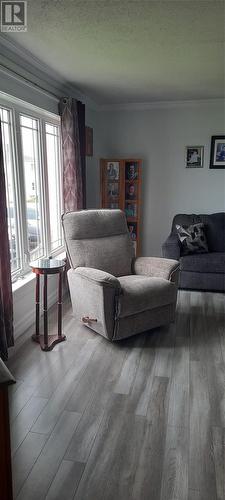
<point x="217" y="153"/>
<point x="131" y="191"/>
<point x="113" y="170"/>
<point x="131" y="209"/>
<point x="194" y="156"/>
<point x="131" y="171"/>
<point x="113" y="190"/>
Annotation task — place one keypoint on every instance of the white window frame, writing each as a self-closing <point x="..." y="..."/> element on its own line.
<point x="17" y="107"/>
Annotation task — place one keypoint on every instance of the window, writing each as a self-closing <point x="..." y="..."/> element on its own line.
<point x="32" y="175"/>
<point x="53" y="160"/>
<point x="32" y="161"/>
<point x="8" y="157"/>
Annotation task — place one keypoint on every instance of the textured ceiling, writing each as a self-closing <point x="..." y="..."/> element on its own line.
<point x="131" y="50"/>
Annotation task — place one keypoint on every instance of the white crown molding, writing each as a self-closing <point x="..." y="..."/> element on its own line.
<point x="142" y="106"/>
<point x="22" y="105"/>
<point x="21" y="64"/>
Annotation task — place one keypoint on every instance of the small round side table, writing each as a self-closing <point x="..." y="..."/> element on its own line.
<point x="46" y="267"/>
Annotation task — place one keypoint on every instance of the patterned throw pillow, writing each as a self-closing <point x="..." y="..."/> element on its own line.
<point x="192" y="238"/>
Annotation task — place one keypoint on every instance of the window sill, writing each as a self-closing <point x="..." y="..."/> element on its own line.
<point x="21" y="282"/>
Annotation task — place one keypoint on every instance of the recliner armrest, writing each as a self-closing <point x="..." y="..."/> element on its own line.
<point x="94" y="296"/>
<point x="99" y="277"/>
<point x="171" y="247"/>
<point x="157" y="267"/>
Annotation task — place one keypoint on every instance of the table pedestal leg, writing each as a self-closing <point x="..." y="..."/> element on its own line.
<point x="45" y="310"/>
<point x="36" y="336"/>
<point x="37" y="303"/>
<point x="60" y="306"/>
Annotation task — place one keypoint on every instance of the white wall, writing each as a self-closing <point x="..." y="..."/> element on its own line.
<point x="159" y="136"/>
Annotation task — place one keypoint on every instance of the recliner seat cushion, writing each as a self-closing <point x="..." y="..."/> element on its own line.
<point x="141" y="293"/>
<point x="204" y="263"/>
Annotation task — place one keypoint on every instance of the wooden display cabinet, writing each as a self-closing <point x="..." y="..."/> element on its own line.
<point x="121" y="188"/>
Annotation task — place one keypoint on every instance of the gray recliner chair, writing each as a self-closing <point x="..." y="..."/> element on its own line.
<point x="112" y="292"/>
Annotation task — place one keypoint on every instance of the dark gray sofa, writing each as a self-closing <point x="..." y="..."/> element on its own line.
<point x="204" y="271"/>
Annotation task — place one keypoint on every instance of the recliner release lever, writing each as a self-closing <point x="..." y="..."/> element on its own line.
<point x="88" y="320"/>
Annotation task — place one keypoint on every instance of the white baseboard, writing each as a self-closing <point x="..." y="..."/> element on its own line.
<point x="29" y="317"/>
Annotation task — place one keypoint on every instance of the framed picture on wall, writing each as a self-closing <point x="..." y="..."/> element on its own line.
<point x="194" y="156"/>
<point x="217" y="153"/>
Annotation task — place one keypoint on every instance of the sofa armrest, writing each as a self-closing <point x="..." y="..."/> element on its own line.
<point x="97" y="276"/>
<point x="157" y="267"/>
<point x="171" y="247"/>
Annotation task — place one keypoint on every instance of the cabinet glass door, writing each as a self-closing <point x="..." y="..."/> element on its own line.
<point x="132" y="198"/>
<point x="112" y="185"/>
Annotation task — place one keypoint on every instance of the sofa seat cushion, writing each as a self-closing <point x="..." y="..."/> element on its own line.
<point x="204" y="263"/>
<point x="141" y="293"/>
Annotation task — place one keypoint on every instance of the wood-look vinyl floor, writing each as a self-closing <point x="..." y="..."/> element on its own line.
<point x="141" y="419"/>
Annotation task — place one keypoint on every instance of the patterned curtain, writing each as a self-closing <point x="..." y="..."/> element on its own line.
<point x="72" y="114"/>
<point x="6" y="302"/>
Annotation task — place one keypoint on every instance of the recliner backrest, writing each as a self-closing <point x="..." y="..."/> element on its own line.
<point x="99" y="239"/>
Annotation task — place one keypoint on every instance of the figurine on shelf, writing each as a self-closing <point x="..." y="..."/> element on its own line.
<point x="113" y="206"/>
<point x="133" y="231"/>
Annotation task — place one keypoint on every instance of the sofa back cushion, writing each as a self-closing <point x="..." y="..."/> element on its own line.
<point x="214" y="228"/>
<point x="99" y="239"/>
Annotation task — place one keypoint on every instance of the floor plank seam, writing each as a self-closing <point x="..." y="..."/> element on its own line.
<point x="29" y="471"/>
<point x="178" y="426"/>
